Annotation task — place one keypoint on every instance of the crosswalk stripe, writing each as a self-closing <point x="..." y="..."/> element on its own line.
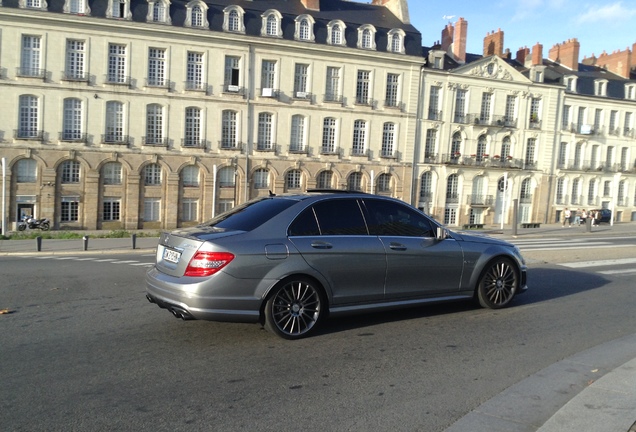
<point x="558" y="248"/>
<point x="600" y="263"/>
<point x="123" y="262"/>
<point x="617" y="272"/>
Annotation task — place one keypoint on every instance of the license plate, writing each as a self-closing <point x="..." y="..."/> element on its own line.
<point x="171" y="255"/>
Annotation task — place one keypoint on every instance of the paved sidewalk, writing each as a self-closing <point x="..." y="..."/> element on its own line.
<point x="77" y="246"/>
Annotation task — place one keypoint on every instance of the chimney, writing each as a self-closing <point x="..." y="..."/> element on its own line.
<point x="566" y="54"/>
<point x="311" y="4"/>
<point x="537" y="54"/>
<point x="459" y="40"/>
<point x="447" y="36"/>
<point x="618" y="62"/>
<point x="399" y="8"/>
<point x="522" y="54"/>
<point x="493" y="44"/>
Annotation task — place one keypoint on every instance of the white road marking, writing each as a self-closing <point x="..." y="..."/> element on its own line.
<point x="600" y="263"/>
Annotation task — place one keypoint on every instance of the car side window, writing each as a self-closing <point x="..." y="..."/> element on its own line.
<point x="386" y="218"/>
<point x="340" y="217"/>
<point x="305" y="224"/>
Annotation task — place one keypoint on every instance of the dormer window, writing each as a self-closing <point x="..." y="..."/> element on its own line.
<point x="271" y="23"/>
<point x="395" y="42"/>
<point x="196" y="14"/>
<point x="436" y="59"/>
<point x="537" y="73"/>
<point x="630" y="91"/>
<point x="118" y="9"/>
<point x="600" y="88"/>
<point x="233" y="19"/>
<point x="159" y="11"/>
<point x="33" y="4"/>
<point x="304" y="30"/>
<point x="336" y="33"/>
<point x="366" y="37"/>
<point x="78" y="7"/>
<point x="570" y="83"/>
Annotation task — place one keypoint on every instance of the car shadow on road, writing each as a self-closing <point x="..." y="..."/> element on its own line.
<point x="546" y="285"/>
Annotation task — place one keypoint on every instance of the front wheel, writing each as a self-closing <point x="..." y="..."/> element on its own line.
<point x="45" y="226"/>
<point x="21" y="227"/>
<point x="498" y="284"/>
<point x="294" y="308"/>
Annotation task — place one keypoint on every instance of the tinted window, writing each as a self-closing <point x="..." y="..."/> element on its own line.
<point x="305" y="224"/>
<point x="250" y="215"/>
<point x="394" y="219"/>
<point x="340" y="217"/>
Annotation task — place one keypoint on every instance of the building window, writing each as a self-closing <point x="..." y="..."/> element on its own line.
<point x="268" y="76"/>
<point x="69" y="207"/>
<point x="158" y="11"/>
<point x="505" y="147"/>
<point x="395" y="43"/>
<point x="298" y="137"/>
<point x="111" y="209"/>
<point x="430" y="146"/>
<point x="362" y="87"/>
<point x="354" y="182"/>
<point x="366" y="37"/>
<point x="535" y="107"/>
<point x="118" y="9"/>
<point x="261" y="178"/>
<point x="32" y="4"/>
<point x="511" y="110"/>
<point x="196" y="14"/>
<point x="29" y="111"/>
<point x="224" y="205"/>
<point x="426" y="187"/>
<point x="460" y="106"/>
<point x="293" y="179"/>
<point x="484" y="115"/>
<point x="392" y="97"/>
<point x="152" y="174"/>
<point x="156" y="67"/>
<point x="27" y="171"/>
<point x="325" y="180"/>
<point x="384" y="183"/>
<point x="600" y="88"/>
<point x="152" y="209"/>
<point x="192" y="127"/>
<point x="111" y="173"/>
<point x="194" y="71"/>
<point x="456" y="145"/>
<point x="117" y="64"/>
<point x="72" y="120"/>
<point x="576" y="191"/>
<point x="388" y="140"/>
<point x="335" y="33"/>
<point x="329" y="129"/>
<point x="75" y="65"/>
<point x="304" y="29"/>
<point x="227" y="177"/>
<point x="154" y="125"/>
<point x="190" y="176"/>
<point x="232" y="74"/>
<point x="359" y="137"/>
<point x="31" y="58"/>
<point x="79" y="7"/>
<point x="233" y="19"/>
<point x="560" y="191"/>
<point x="332" y="90"/>
<point x="114" y="122"/>
<point x="301" y="77"/>
<point x="70" y="172"/>
<point x="189" y="210"/>
<point x="433" y="103"/>
<point x="271" y="23"/>
<point x="229" y="127"/>
<point x="265" y="132"/>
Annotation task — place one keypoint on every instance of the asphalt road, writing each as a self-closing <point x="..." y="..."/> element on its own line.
<point x="83" y="350"/>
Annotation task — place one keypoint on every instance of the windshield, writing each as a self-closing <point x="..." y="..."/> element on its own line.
<point x="250" y="215"/>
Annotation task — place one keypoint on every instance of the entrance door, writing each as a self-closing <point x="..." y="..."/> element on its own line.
<point x="25" y="210"/>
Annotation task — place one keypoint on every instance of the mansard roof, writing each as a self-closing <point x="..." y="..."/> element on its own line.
<point x="353" y="14"/>
<point x="587" y="75"/>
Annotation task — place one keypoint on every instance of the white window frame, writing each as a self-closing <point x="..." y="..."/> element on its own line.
<point x="155" y="124"/>
<point x="75" y="61"/>
<point x="333" y="92"/>
<point x="112" y="173"/>
<point x="76" y="7"/>
<point x="190" y="176"/>
<point x="31" y="56"/>
<point x="261" y="178"/>
<point x="157" y="67"/>
<point x="304" y="28"/>
<point x="117" y="63"/>
<point x="152" y="174"/>
<point x="269" y="75"/>
<point x="233" y="19"/>
<point x="389" y="140"/>
<point x="271" y="26"/>
<point x="72" y="119"/>
<point x="226" y="177"/>
<point x="189" y="209"/>
<point x="363" y="87"/>
<point x="383" y="183"/>
<point x="69" y="209"/>
<point x="324" y="179"/>
<point x="159" y="12"/>
<point x="329" y="135"/>
<point x="115" y="122"/>
<point x="293" y="179"/>
<point x="336" y="33"/>
<point x="70" y="172"/>
<point x="392" y="96"/>
<point x="301" y="80"/>
<point x="359" y="141"/>
<point x="197" y="19"/>
<point x="152" y="210"/>
<point x="33" y="4"/>
<point x="195" y="71"/>
<point x="29" y="117"/>
<point x="298" y="139"/>
<point x="119" y="9"/>
<point x="265" y="132"/>
<point x="229" y="129"/>
<point x="26" y="170"/>
<point x="193" y="127"/>
<point x="366" y="37"/>
<point x="111" y="209"/>
<point x="395" y="43"/>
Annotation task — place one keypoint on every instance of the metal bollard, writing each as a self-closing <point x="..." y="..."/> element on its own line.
<point x="134" y="241"/>
<point x="38" y="243"/>
<point x="588" y="224"/>
<point x="85" y="240"/>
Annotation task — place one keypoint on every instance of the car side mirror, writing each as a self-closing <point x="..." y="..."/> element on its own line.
<point x="442" y="233"/>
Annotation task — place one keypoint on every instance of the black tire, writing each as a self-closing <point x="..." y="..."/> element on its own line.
<point x="45" y="226"/>
<point x="294" y="308"/>
<point x="498" y="284"/>
<point x="21" y="227"/>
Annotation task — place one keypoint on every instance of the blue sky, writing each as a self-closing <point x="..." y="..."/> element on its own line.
<point x="599" y="25"/>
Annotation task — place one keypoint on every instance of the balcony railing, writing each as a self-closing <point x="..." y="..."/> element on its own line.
<point x="193" y="143"/>
<point x="359" y="153"/>
<point x="435" y="115"/>
<point x="30" y="72"/>
<point x="267" y="147"/>
<point x="28" y="134"/>
<point x="117" y="80"/>
<point x="480" y="200"/>
<point x="155" y="141"/>
<point x="75" y="76"/>
<point x="113" y="138"/>
<point x="196" y="86"/>
<point x="233" y="89"/>
<point x="228" y="144"/>
<point x="333" y="97"/>
<point x="73" y="136"/>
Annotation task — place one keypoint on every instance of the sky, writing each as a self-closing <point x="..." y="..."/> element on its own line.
<point x="599" y="25"/>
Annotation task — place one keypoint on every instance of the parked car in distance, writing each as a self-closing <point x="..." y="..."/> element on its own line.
<point x="604" y="215"/>
<point x="289" y="261"/>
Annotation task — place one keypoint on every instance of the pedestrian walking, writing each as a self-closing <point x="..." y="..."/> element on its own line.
<point x="583" y="217"/>
<point x="577" y="217"/>
<point x="567" y="214"/>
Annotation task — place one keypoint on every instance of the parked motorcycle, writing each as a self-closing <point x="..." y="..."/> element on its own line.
<point x="33" y="223"/>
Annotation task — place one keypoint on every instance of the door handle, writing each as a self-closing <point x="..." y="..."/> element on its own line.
<point x="321" y="245"/>
<point x="397" y="246"/>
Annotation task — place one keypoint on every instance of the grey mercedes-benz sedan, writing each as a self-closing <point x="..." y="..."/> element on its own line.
<point x="288" y="261"/>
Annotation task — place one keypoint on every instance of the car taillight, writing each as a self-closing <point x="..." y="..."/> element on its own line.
<point x="207" y="263"/>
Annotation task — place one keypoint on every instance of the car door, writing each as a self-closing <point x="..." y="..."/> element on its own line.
<point x="418" y="264"/>
<point x="332" y="237"/>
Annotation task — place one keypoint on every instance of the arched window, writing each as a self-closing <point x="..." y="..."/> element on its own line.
<point x="233" y="19"/>
<point x="190" y="176"/>
<point x="196" y="14"/>
<point x="261" y="178"/>
<point x="366" y="37"/>
<point x="70" y="172"/>
<point x="335" y="33"/>
<point x="456" y="145"/>
<point x="395" y="43"/>
<point x="293" y="179"/>
<point x="118" y="9"/>
<point x="79" y="7"/>
<point x="526" y="190"/>
<point x="452" y="188"/>
<point x="384" y="183"/>
<point x="227" y="177"/>
<point x="388" y="140"/>
<point x="505" y="148"/>
<point x="271" y="20"/>
<point x="112" y="173"/>
<point x="481" y="148"/>
<point x="159" y="11"/>
<point x="304" y="28"/>
<point x="26" y="171"/>
<point x="354" y="182"/>
<point x="324" y="180"/>
<point x="152" y="174"/>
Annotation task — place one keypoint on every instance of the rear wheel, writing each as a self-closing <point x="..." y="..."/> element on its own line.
<point x="294" y="308"/>
<point x="498" y="284"/>
<point x="45" y="226"/>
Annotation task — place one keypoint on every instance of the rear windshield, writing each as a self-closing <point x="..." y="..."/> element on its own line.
<point x="250" y="215"/>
